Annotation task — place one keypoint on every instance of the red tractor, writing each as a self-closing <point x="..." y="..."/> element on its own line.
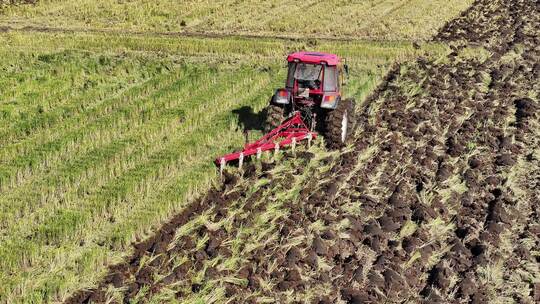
<point x="314" y="86"/>
<point x="311" y="101"/>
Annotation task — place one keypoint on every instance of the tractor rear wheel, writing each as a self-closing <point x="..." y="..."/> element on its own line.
<point x="339" y="124"/>
<point x="274" y="117"/>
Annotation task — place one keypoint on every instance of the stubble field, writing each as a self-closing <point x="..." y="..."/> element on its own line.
<point x="379" y="20"/>
<point x="105" y="138"/>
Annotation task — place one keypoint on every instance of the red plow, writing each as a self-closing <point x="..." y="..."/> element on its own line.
<point x="290" y="132"/>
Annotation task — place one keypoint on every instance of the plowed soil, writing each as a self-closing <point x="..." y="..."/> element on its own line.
<point x="438" y="201"/>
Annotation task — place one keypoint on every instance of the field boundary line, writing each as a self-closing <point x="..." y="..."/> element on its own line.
<point x="189" y="34"/>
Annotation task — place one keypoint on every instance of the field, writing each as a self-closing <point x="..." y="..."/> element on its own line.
<point x="108" y="193"/>
<point x="103" y="138"/>
<point x="387" y="19"/>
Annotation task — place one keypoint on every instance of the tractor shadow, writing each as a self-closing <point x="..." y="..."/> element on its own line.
<point x="249" y="120"/>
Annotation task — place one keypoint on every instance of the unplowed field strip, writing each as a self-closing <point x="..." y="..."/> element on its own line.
<point x="381" y="19"/>
<point x="46" y="29"/>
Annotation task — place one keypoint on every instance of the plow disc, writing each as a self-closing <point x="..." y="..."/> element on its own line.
<point x="290" y="132"/>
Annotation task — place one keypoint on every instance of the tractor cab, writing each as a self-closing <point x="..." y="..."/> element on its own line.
<point x="314" y="77"/>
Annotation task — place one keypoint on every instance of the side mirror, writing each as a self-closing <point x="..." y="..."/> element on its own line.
<point x="345" y="78"/>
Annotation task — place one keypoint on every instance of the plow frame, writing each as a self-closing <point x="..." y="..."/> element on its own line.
<point x="290" y="132"/>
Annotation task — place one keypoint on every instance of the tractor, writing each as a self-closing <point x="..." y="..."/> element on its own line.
<point x="310" y="103"/>
<point x="314" y="86"/>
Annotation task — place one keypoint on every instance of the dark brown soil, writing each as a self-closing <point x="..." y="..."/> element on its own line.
<point x="444" y="191"/>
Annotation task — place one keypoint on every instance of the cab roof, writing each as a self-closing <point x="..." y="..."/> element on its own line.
<point x="314" y="57"/>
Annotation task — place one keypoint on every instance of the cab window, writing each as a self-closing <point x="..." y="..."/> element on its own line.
<point x="330" y="79"/>
<point x="290" y="75"/>
<point x="307" y="75"/>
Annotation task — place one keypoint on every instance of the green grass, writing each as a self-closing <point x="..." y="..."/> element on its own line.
<point x="382" y="19"/>
<point x="103" y="138"/>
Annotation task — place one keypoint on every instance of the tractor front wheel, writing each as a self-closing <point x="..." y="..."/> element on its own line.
<point x="339" y="123"/>
<point x="274" y="117"/>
